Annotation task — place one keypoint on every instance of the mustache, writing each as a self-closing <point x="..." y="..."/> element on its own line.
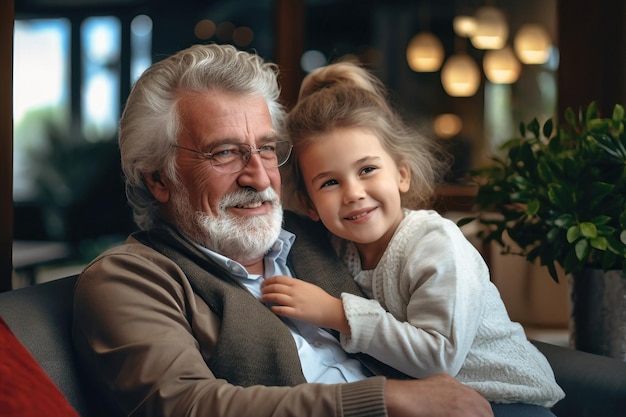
<point x="248" y="196"/>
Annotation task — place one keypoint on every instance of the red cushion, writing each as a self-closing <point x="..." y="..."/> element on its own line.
<point x="25" y="389"/>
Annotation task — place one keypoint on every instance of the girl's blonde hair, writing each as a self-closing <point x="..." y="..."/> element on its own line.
<point x="345" y="95"/>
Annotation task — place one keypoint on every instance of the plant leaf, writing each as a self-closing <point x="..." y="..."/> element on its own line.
<point x="553" y="274"/>
<point x="600" y="190"/>
<point x="601" y="220"/>
<point x="599" y="243"/>
<point x="582" y="249"/>
<point x="570" y="117"/>
<point x="573" y="233"/>
<point x="533" y="207"/>
<point x="588" y="230"/>
<point x="592" y="111"/>
<point x="618" y="112"/>
<point x="609" y="259"/>
<point x="598" y="125"/>
<point x="565" y="221"/>
<point x="533" y="127"/>
<point x="547" y="128"/>
<point x="465" y="220"/>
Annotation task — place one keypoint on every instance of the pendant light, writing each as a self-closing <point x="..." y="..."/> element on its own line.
<point x="460" y="76"/>
<point x="447" y="125"/>
<point x="464" y="26"/>
<point x="492" y="31"/>
<point x="532" y="44"/>
<point x="501" y="66"/>
<point x="425" y="53"/>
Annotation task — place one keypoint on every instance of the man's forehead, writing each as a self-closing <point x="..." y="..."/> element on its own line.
<point x="218" y="117"/>
<point x="223" y="104"/>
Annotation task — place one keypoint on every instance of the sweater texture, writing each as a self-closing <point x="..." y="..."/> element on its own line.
<point x="434" y="309"/>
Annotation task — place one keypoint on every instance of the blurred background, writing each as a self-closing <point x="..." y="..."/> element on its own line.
<point x="466" y="72"/>
<point x="76" y="60"/>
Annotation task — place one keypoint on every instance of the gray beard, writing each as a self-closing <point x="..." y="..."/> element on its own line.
<point x="239" y="238"/>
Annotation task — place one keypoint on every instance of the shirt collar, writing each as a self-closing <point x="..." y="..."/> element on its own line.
<point x="276" y="256"/>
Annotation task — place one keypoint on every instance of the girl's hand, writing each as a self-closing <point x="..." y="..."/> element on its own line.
<point x="304" y="301"/>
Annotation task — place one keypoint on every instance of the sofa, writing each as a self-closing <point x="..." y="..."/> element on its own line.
<point x="40" y="318"/>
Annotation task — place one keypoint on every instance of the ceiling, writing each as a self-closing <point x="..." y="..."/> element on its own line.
<point x="56" y="6"/>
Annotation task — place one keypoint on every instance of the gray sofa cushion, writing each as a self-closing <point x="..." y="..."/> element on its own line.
<point x="40" y="317"/>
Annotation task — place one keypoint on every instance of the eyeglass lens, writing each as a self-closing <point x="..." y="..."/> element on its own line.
<point x="233" y="157"/>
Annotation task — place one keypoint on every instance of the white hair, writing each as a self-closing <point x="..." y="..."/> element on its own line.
<point x="151" y="122"/>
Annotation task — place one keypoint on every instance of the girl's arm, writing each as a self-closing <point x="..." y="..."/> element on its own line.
<point x="432" y="304"/>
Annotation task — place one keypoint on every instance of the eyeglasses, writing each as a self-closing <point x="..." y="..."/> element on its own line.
<point x="229" y="158"/>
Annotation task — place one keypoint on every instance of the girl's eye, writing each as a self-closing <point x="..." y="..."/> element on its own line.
<point x="329" y="183"/>
<point x="367" y="170"/>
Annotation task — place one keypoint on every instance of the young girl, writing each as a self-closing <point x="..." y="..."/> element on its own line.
<point x="432" y="307"/>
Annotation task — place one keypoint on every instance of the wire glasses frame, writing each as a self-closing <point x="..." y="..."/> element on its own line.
<point x="229" y="158"/>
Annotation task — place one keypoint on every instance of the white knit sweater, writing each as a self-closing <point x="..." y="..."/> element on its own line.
<point x="434" y="309"/>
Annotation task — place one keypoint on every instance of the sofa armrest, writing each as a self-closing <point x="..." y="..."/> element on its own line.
<point x="595" y="385"/>
<point x="40" y="317"/>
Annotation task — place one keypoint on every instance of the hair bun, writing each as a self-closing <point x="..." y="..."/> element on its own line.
<point x="341" y="74"/>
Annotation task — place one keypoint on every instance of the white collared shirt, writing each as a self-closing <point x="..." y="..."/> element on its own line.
<point x="322" y="358"/>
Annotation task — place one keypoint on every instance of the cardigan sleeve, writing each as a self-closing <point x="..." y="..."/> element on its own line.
<point x="432" y="282"/>
<point x="144" y="336"/>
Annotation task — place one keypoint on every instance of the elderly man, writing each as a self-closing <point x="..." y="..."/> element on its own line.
<point x="170" y="323"/>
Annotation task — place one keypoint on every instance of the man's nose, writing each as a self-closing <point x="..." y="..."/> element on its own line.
<point x="254" y="173"/>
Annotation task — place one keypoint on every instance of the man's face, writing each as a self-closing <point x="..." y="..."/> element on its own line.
<point x="236" y="214"/>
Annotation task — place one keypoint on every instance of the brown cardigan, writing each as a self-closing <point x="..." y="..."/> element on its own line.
<point x="159" y="349"/>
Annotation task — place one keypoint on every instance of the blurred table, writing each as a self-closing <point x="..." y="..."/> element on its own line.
<point x="28" y="255"/>
<point x="455" y="197"/>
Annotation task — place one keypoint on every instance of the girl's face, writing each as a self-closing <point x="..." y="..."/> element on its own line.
<point x="354" y="186"/>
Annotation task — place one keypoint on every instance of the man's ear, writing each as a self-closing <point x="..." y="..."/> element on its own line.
<point x="157" y="186"/>
<point x="309" y="208"/>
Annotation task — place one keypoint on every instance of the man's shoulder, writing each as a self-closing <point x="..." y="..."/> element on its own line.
<point x="129" y="250"/>
<point x="129" y="245"/>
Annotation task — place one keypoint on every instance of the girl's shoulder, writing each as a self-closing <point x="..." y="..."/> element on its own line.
<point x="423" y="217"/>
<point x="427" y="221"/>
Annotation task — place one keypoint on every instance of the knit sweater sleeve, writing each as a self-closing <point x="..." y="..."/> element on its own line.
<point x="431" y="281"/>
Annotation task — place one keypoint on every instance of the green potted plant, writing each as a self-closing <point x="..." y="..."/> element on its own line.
<point x="559" y="193"/>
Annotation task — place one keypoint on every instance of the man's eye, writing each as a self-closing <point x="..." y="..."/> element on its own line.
<point x="225" y="151"/>
<point x="268" y="147"/>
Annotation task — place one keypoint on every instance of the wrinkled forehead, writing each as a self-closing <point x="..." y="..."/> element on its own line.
<point x="218" y="117"/>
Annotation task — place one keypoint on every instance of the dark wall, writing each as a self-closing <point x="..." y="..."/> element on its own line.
<point x="592" y="42"/>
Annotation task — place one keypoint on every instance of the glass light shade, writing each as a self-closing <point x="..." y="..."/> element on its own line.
<point x="501" y="66"/>
<point x="460" y="76"/>
<point x="425" y="53"/>
<point x="447" y="125"/>
<point x="464" y="26"/>
<point x="491" y="31"/>
<point x="532" y="44"/>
